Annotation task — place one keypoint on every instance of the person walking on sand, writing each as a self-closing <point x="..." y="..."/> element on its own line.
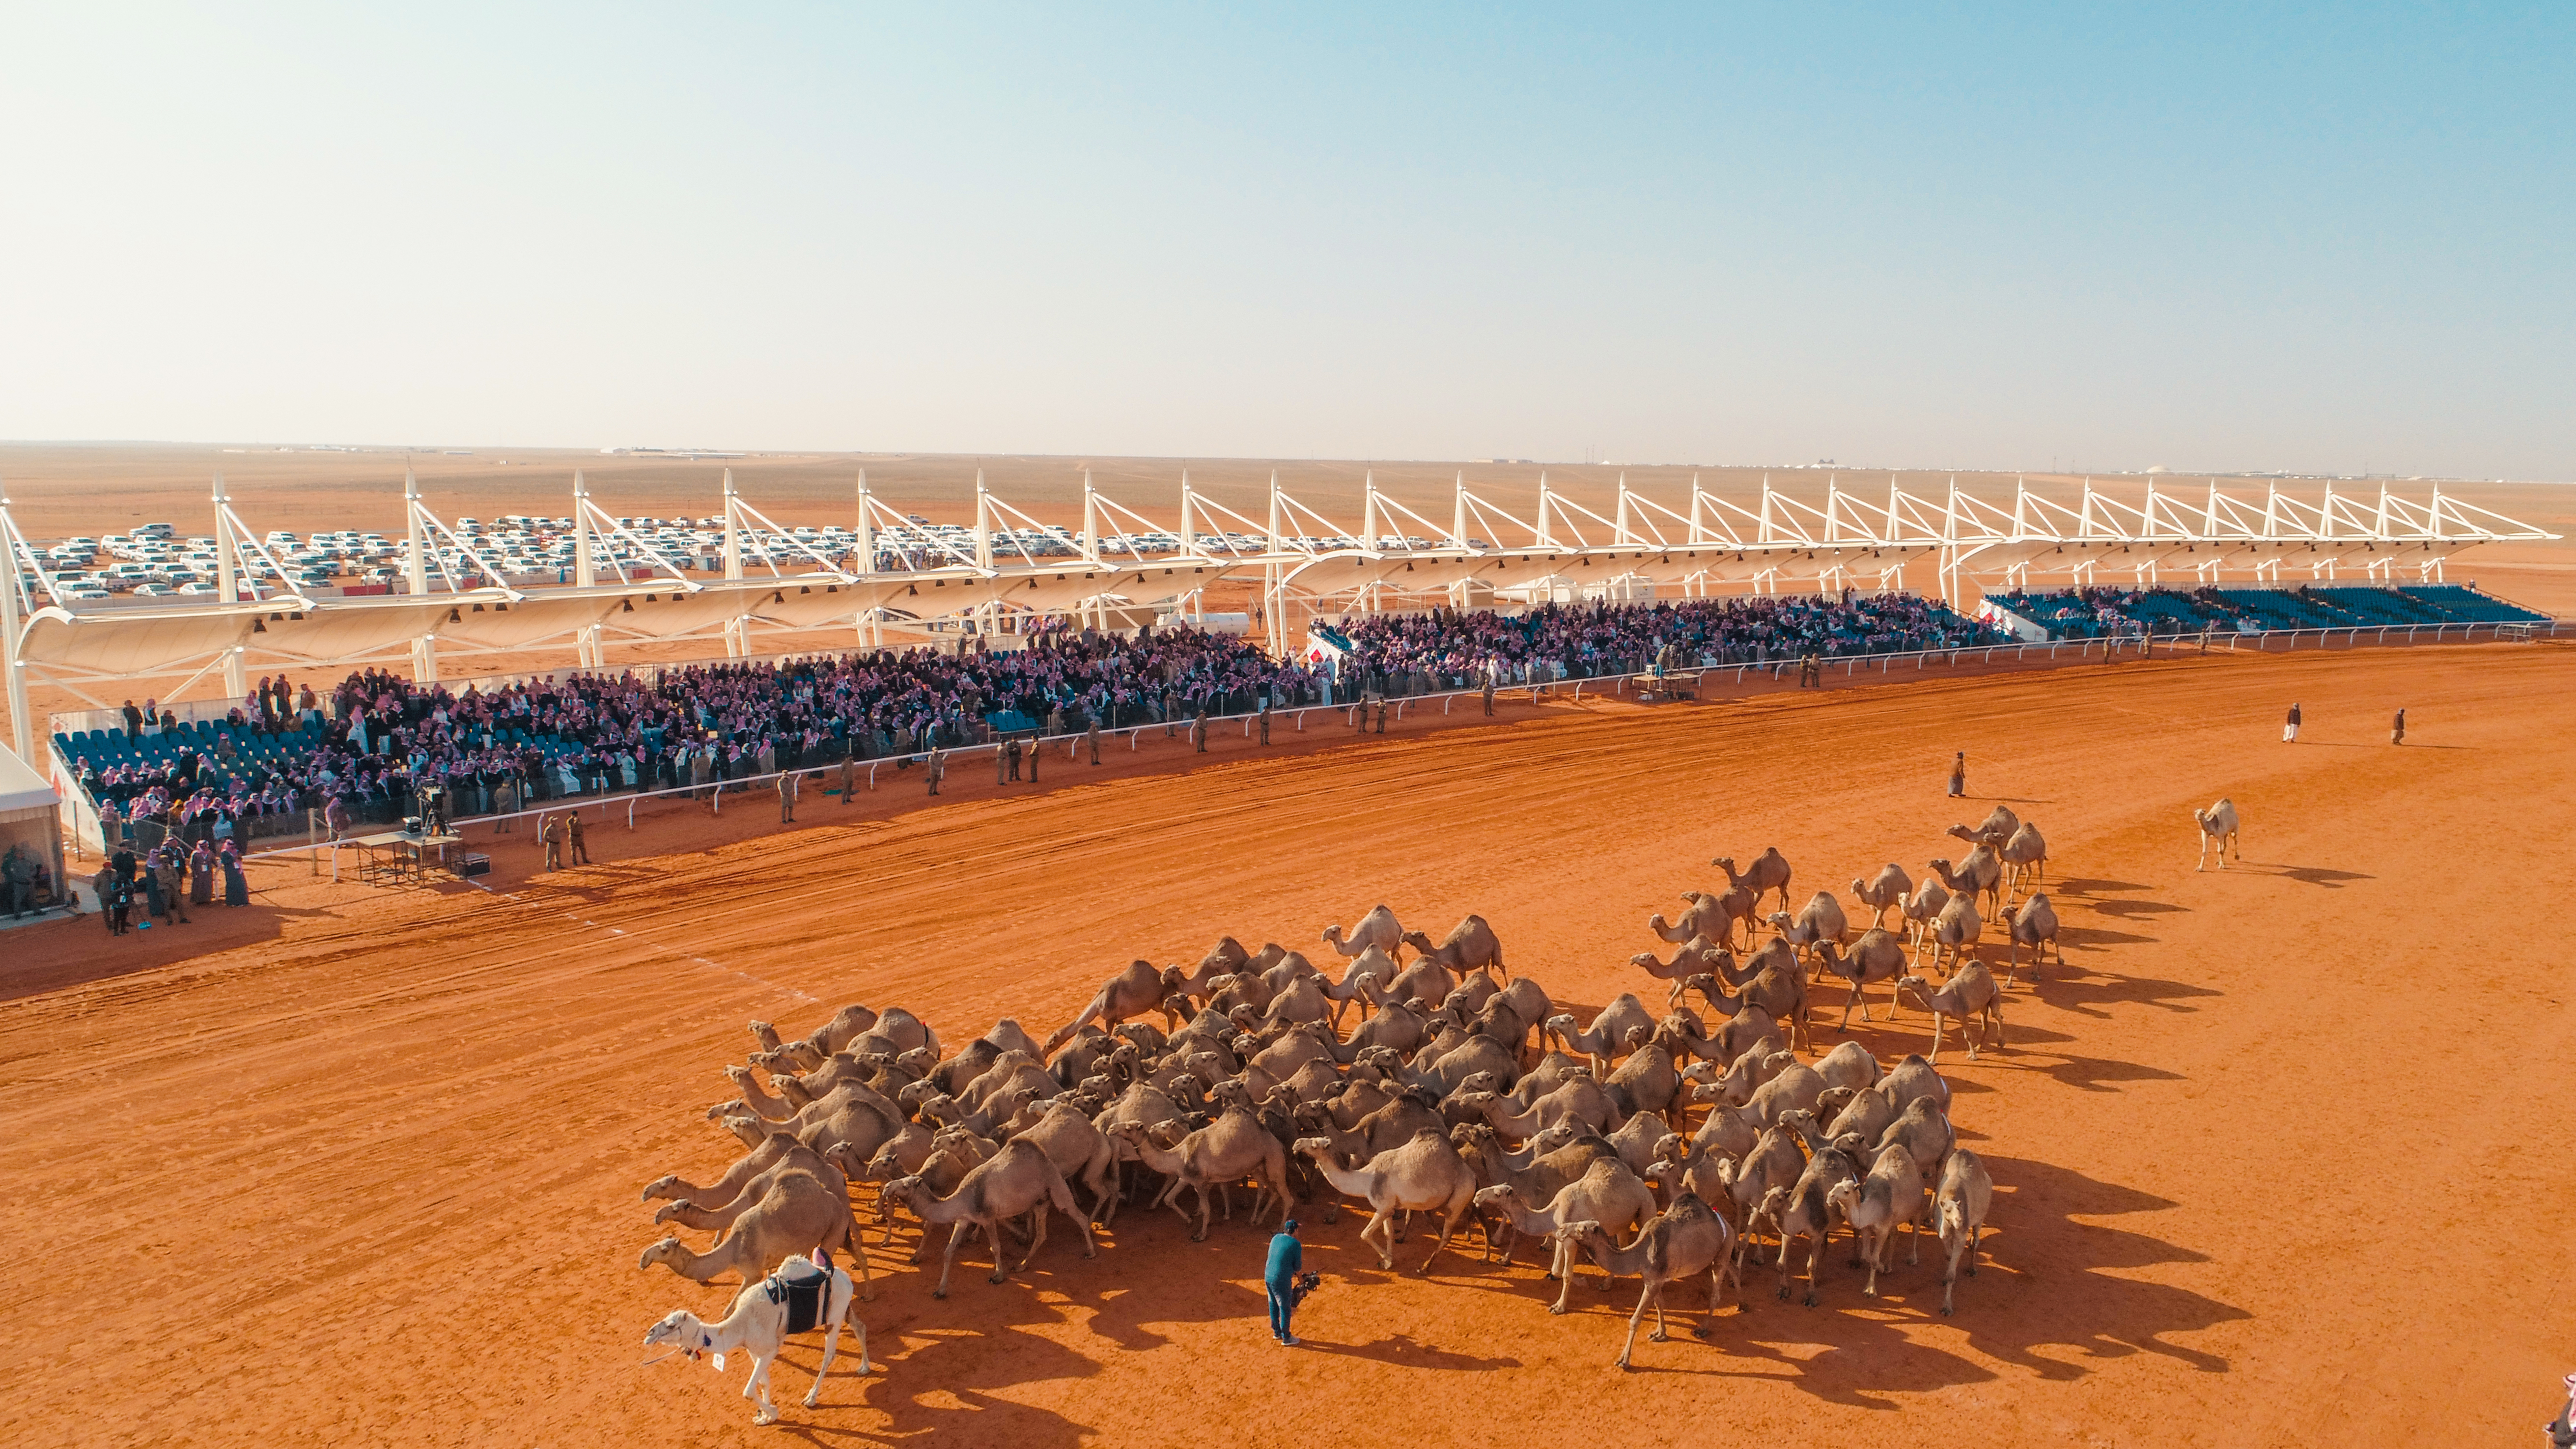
<point x="580" y="849"/>
<point x="2397" y="729"/>
<point x="1287" y="1255"/>
<point x="1959" y="775"/>
<point x="2290" y="731"/>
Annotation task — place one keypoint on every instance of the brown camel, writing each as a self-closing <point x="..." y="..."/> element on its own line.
<point x="1608" y="1193"/>
<point x="1470" y="946"/>
<point x="1710" y="917"/>
<point x="1884" y="891"/>
<point x="1877" y="956"/>
<point x="800" y="1214"/>
<point x="1769" y="872"/>
<point x="1682" y="1240"/>
<point x="2035" y="926"/>
<point x="1136" y="991"/>
<point x="1014" y="1182"/>
<point x="1980" y="873"/>
<point x="1424" y="1175"/>
<point x="1232" y="1147"/>
<point x="1378" y="931"/>
<point x="1970" y="995"/>
<point x="1697" y="954"/>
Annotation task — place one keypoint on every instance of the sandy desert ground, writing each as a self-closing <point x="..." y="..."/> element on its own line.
<point x="2278" y="1163"/>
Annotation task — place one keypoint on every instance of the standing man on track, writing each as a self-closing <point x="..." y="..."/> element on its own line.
<point x="1959" y="775"/>
<point x="1287" y="1255"/>
<point x="572" y="834"/>
<point x="1265" y="720"/>
<point x="1198" y="730"/>
<point x="787" y="797"/>
<point x="938" y="765"/>
<point x="2290" y="731"/>
<point x="1091" y="737"/>
<point x="849" y="773"/>
<point x="546" y="837"/>
<point x="2397" y="729"/>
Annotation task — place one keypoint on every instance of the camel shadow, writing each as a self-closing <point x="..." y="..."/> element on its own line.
<point x="1401" y="1349"/>
<point x="2051" y="1290"/>
<point x="2085" y="886"/>
<point x="2070" y="993"/>
<point x="2123" y="910"/>
<point x="2315" y="875"/>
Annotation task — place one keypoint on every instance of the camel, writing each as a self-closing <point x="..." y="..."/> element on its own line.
<point x="766" y="1151"/>
<point x="1972" y="997"/>
<point x="1470" y="946"/>
<point x="1849" y="1065"/>
<point x="1877" y="956"/>
<point x="720" y="1215"/>
<point x="1136" y="991"/>
<point x="800" y="1214"/>
<point x="1922" y="1129"/>
<point x="1376" y="931"/>
<point x="1424" y="1175"/>
<point x="1682" y="1240"/>
<point x="1772" y="1161"/>
<point x="2217" y="824"/>
<point x="1922" y="908"/>
<point x="1425" y="981"/>
<point x="1554" y="1158"/>
<point x="1959" y="1215"/>
<point x="1911" y="1078"/>
<point x="1770" y="872"/>
<point x="1777" y="988"/>
<point x="1698" y="954"/>
<point x="1638" y="1137"/>
<point x="1079" y="1150"/>
<point x="1648" y="1081"/>
<point x="1392" y="1024"/>
<point x="1980" y="873"/>
<point x="1954" y="933"/>
<point x="1820" y="922"/>
<point x="1016" y="1181"/>
<point x="1889" y="1198"/>
<point x="1383" y="1130"/>
<point x="2025" y="858"/>
<point x="757" y="1323"/>
<point x="1226" y="958"/>
<point x="1884" y="891"/>
<point x="1802" y="1211"/>
<point x="1786" y="1086"/>
<point x="1608" y="1032"/>
<point x="1589" y="1105"/>
<point x="1608" y="1193"/>
<point x="1854" y="1113"/>
<point x="1710" y="917"/>
<point x="1995" y="829"/>
<point x="2035" y="926"/>
<point x="1371" y="963"/>
<point x="1232" y="1147"/>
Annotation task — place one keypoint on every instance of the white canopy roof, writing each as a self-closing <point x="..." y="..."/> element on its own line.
<point x="21" y="788"/>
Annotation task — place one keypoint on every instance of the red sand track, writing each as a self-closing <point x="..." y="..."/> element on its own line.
<point x="2275" y="1163"/>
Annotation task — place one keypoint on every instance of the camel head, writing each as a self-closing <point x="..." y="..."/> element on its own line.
<point x="1312" y="1146"/>
<point x="1670" y="1147"/>
<point x="1842" y="1195"/>
<point x="907" y="1190"/>
<point x="919" y="1061"/>
<point x="671" y="1209"/>
<point x="1232" y="1092"/>
<point x="1577" y="1232"/>
<point x="664" y="1251"/>
<point x="1469" y="1106"/>
<point x="1725" y="863"/>
<point x="941" y="1108"/>
<point x="1563" y="1024"/>
<point x="1480" y="1082"/>
<point x="1657" y="924"/>
<point x="662" y="1186"/>
<point x="1852" y="1146"/>
<point x="1637" y="1036"/>
<point x="751" y="1130"/>
<point x="1832" y="1100"/>
<point x="1333" y="934"/>
<point x="1492" y="1199"/>
<point x="682" y="1327"/>
<point x="1551" y="1138"/>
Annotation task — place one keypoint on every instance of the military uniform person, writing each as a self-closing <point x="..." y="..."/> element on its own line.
<point x="1198" y="731"/>
<point x="849" y="777"/>
<point x="572" y="834"/>
<point x="787" y="797"/>
<point x="1091" y="737"/>
<point x="549" y="835"/>
<point x="1265" y="721"/>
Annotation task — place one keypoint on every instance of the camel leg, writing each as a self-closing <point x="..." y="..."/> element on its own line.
<point x="1375" y="1235"/>
<point x="1038" y="1239"/>
<point x="1561" y="1266"/>
<point x="1001" y="1264"/>
<point x="1934" y="1057"/>
<point x="1815" y="1260"/>
<point x="831" y="1343"/>
<point x="1847" y="1008"/>
<point x="956" y="1240"/>
<point x="1869" y="1250"/>
<point x="1449" y="1224"/>
<point x="1708" y="1322"/>
<point x="1633" y="1318"/>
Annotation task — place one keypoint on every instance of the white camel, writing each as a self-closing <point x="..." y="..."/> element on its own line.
<point x="2218" y="823"/>
<point x="757" y="1324"/>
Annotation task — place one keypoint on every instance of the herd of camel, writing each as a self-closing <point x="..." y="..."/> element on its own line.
<point x="1660" y="1144"/>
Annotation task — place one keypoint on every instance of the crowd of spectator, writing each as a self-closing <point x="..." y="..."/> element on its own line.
<point x="378" y="745"/>
<point x="1454" y="648"/>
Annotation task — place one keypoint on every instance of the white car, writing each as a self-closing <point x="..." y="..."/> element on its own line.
<point x="154" y="591"/>
<point x="191" y="588"/>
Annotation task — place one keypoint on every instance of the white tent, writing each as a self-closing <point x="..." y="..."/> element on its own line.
<point x="30" y="817"/>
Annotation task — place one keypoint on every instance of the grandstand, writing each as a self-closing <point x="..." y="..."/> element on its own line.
<point x="2097" y="612"/>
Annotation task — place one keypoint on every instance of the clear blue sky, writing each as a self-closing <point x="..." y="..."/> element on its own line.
<point x="2209" y="237"/>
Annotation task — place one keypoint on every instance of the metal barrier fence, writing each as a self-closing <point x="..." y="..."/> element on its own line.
<point x="1354" y="712"/>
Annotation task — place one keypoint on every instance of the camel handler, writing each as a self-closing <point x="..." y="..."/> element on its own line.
<point x="787" y="797"/>
<point x="1489" y="689"/>
<point x="2290" y="731"/>
<point x="1198" y="731"/>
<point x="1381" y="714"/>
<point x="1265" y="719"/>
<point x="1287" y="1256"/>
<point x="849" y="776"/>
<point x="1037" y="747"/>
<point x="552" y="843"/>
<point x="2397" y="729"/>
<point x="937" y="765"/>
<point x="1959" y="775"/>
<point x="1091" y="737"/>
<point x="572" y="837"/>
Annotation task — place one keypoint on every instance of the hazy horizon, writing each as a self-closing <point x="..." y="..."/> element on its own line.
<point x="2011" y="239"/>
